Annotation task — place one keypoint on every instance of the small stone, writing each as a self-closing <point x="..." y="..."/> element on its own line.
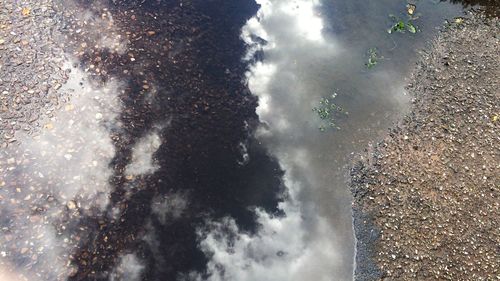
<point x="26" y="11"/>
<point x="98" y="116"/>
<point x="69" y="107"/>
<point x="49" y="126"/>
<point x="151" y="33"/>
<point x="71" y="205"/>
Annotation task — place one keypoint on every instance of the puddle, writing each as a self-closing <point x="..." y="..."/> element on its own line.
<point x="177" y="170"/>
<point x="309" y="51"/>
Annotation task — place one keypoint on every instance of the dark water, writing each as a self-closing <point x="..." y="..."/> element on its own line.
<point x="245" y="185"/>
<point x="194" y="61"/>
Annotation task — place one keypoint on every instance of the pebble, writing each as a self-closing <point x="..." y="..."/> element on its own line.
<point x="71" y="205"/>
<point x="433" y="197"/>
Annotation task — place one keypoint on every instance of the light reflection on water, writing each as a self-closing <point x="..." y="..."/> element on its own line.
<point x="312" y="50"/>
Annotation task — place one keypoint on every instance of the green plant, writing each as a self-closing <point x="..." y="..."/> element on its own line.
<point x="327" y="111"/>
<point x="400" y="25"/>
<point x="373" y="58"/>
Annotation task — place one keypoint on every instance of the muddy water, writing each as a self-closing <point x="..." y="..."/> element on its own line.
<point x="205" y="159"/>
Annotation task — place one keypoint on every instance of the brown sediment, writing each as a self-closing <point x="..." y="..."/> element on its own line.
<point x="426" y="198"/>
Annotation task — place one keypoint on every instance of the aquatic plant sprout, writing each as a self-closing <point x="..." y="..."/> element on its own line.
<point x="400" y="25"/>
<point x="327" y="111"/>
<point x="373" y="58"/>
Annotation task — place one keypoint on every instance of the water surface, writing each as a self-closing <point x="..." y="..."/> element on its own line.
<point x="205" y="159"/>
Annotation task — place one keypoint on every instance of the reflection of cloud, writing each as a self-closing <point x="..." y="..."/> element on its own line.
<point x="128" y="269"/>
<point x="169" y="206"/>
<point x="280" y="251"/>
<point x="49" y="181"/>
<point x="142" y="155"/>
<point x="72" y="153"/>
<point x="307" y="24"/>
<point x="261" y="74"/>
<point x="6" y="275"/>
<point x="97" y="27"/>
<point x="305" y="244"/>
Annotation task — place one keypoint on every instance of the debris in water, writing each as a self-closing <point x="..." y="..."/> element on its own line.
<point x="410" y="8"/>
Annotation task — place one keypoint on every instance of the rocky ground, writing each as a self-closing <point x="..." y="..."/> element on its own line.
<point x="427" y="198"/>
<point x="31" y="67"/>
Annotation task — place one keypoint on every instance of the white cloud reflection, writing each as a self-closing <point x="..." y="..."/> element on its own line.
<point x="129" y="268"/>
<point x="142" y="154"/>
<point x="309" y="243"/>
<point x="49" y="181"/>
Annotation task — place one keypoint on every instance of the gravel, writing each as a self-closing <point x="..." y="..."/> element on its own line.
<point x="31" y="63"/>
<point x="430" y="190"/>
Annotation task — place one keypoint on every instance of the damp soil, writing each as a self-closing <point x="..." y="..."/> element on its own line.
<point x="426" y="197"/>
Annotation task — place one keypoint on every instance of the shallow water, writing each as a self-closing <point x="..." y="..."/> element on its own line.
<point x="314" y="50"/>
<point x="213" y="164"/>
